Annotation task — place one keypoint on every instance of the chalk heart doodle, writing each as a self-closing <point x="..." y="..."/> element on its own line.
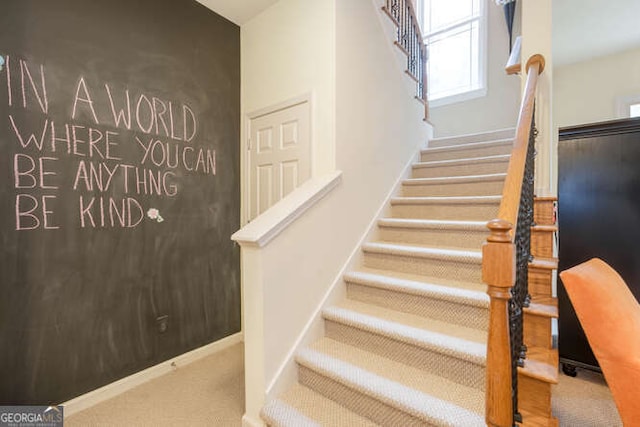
<point x="164" y="132"/>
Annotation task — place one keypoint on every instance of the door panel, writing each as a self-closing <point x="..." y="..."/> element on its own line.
<point x="264" y="186"/>
<point x="279" y="155"/>
<point x="288" y="177"/>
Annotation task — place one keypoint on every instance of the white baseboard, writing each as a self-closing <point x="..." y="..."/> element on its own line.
<point x="109" y="391"/>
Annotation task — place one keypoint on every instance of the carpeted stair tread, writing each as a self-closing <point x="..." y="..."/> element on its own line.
<point x="423" y="408"/>
<point x="277" y="413"/>
<point x="414" y="251"/>
<point x="457" y="200"/>
<point x="460" y="284"/>
<point x="463" y="162"/>
<point x="465" y="343"/>
<point x="433" y="224"/>
<point x="464" y="208"/>
<point x="447" y="304"/>
<point x="463" y="264"/>
<point x="464" y="183"/>
<point x="476" y="149"/>
<point x="463" y="179"/>
<point x="478" y="165"/>
<point x="469" y="145"/>
<point x="416" y="378"/>
<point x="430" y="290"/>
<point x="473" y="137"/>
<point x="447" y="234"/>
<point x="301" y="406"/>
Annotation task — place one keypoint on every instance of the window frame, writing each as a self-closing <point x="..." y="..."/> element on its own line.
<point x="470" y="93"/>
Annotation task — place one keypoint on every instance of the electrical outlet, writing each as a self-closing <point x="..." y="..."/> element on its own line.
<point x="163" y="323"/>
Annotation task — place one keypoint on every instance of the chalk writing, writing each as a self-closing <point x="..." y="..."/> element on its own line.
<point x="27" y="209"/>
<point x="85" y="99"/>
<point x="110" y="212"/>
<point x="24" y="167"/>
<point x="173" y="156"/>
<point x="135" y="145"/>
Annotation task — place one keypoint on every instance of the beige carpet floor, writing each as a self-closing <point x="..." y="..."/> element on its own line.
<point x="210" y="392"/>
<point x="584" y="401"/>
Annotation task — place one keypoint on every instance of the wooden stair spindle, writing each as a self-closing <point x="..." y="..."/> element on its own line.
<point x="498" y="254"/>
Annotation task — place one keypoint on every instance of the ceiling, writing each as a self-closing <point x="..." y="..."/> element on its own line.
<point x="585" y="29"/>
<point x="582" y="29"/>
<point x="238" y="11"/>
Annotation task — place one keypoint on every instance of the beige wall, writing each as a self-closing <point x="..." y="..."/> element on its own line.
<point x="536" y="39"/>
<point x="286" y="52"/>
<point x="499" y="108"/>
<point x="367" y="124"/>
<point x="377" y="133"/>
<point x="586" y="92"/>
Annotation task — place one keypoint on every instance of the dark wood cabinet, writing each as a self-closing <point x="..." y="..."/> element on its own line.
<point x="598" y="216"/>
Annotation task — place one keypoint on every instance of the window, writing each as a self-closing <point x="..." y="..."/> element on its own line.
<point x="455" y="37"/>
<point x="627" y="106"/>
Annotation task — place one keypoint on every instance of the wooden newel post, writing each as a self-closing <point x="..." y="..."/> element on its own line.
<point x="499" y="272"/>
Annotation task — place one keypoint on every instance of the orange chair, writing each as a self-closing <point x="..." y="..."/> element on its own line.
<point x="610" y="317"/>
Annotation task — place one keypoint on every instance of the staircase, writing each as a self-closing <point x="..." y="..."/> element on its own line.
<point x="540" y="372"/>
<point x="408" y="344"/>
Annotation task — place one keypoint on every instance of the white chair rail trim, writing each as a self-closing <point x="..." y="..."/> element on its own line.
<point x="277" y="218"/>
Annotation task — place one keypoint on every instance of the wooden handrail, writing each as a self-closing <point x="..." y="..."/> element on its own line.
<point x="499" y="263"/>
<point x="513" y="182"/>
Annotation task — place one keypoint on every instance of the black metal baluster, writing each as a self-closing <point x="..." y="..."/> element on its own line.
<point x="416" y="60"/>
<point x="520" y="297"/>
<point x="394" y="8"/>
<point x="413" y="48"/>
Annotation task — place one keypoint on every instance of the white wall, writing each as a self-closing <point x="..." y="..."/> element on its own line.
<point x="499" y="108"/>
<point x="536" y="39"/>
<point x="378" y="129"/>
<point x="586" y="92"/>
<point x="286" y="52"/>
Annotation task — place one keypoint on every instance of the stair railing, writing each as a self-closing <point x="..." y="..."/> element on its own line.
<point x="505" y="258"/>
<point x="410" y="41"/>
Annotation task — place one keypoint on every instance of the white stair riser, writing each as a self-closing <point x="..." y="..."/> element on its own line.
<point x="462" y="239"/>
<point x="471" y="212"/>
<point x="445" y="365"/>
<point x="460" y="170"/>
<point x="430" y="156"/>
<point x="355" y="400"/>
<point x="488" y="188"/>
<point x="430" y="267"/>
<point x="439" y="309"/>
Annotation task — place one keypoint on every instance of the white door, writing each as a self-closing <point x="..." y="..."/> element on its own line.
<point x="279" y="155"/>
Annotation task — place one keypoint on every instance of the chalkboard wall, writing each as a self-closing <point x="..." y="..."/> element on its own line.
<point x="119" y="169"/>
